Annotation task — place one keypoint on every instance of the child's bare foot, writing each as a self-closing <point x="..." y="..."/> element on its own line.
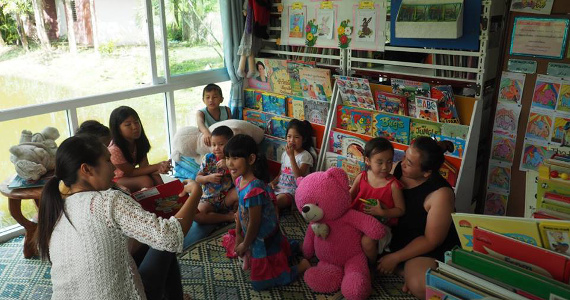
<point x="303" y="266"/>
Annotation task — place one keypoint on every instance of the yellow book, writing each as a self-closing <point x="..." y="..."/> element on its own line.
<point x="556" y="235"/>
<point x="522" y="229"/>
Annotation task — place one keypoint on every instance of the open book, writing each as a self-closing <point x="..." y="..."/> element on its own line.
<point x="162" y="199"/>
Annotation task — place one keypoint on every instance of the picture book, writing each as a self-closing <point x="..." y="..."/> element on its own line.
<point x="331" y="160"/>
<point x="423" y="128"/>
<point x="458" y="144"/>
<point x="355" y="119"/>
<point x="556" y="235"/>
<point x="21" y="183"/>
<point x="336" y="141"/>
<point x="447" y="112"/>
<point x="295" y="108"/>
<point x="316" y="111"/>
<point x="448" y="172"/>
<point x="272" y="148"/>
<point x="455" y="130"/>
<point x="274" y="104"/>
<point x="277" y="127"/>
<point x="355" y="92"/>
<point x="539" y="125"/>
<point x="426" y="109"/>
<point x="410" y="89"/>
<point x="163" y="199"/>
<point x="499" y="177"/>
<point x="316" y="83"/>
<point x="496" y="203"/>
<point x="393" y="128"/>
<point x="271" y="76"/>
<point x="256" y="117"/>
<point x="293" y="68"/>
<point x="507" y="119"/>
<point x="563" y="104"/>
<point x="352" y="167"/>
<point x="561" y="130"/>
<point x="543" y="7"/>
<point x="353" y="147"/>
<point x="522" y="229"/>
<point x="533" y="155"/>
<point x="503" y="148"/>
<point x="253" y="99"/>
<point x="391" y="103"/>
<point x="546" y="91"/>
<point x="450" y="286"/>
<point x="398" y="155"/>
<point x="434" y="293"/>
<point x="511" y="87"/>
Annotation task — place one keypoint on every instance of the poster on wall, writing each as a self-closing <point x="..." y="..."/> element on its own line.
<point x="543" y="7"/>
<point x="546" y="92"/>
<point x="366" y="25"/>
<point x="563" y="104"/>
<point x="499" y="177"/>
<point x="511" y="87"/>
<point x="296" y="23"/>
<point x="532" y="155"/>
<point x="496" y="203"/>
<point x="540" y="37"/>
<point x="561" y="130"/>
<point x="325" y="21"/>
<point x="507" y="119"/>
<point x="539" y="125"/>
<point x="369" y="19"/>
<point x="503" y="148"/>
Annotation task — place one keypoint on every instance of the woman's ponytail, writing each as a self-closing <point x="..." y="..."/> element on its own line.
<point x="50" y="210"/>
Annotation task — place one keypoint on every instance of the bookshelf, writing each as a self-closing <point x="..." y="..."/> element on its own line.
<point x="471" y="70"/>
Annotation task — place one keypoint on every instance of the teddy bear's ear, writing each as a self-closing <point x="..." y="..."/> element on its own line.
<point x="338" y="175"/>
<point x="299" y="179"/>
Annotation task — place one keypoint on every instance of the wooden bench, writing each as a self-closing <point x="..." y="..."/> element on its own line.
<point x="15" y="198"/>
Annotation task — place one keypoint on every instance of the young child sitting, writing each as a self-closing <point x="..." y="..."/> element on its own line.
<point x="217" y="188"/>
<point x="213" y="112"/>
<point x="378" y="193"/>
<point x="295" y="161"/>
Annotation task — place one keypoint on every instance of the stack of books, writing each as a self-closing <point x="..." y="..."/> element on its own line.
<point x="553" y="188"/>
<point x="504" y="258"/>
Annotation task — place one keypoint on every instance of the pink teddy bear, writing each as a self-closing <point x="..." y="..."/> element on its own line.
<point x="334" y="235"/>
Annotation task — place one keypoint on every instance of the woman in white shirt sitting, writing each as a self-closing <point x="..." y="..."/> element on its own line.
<point x="84" y="227"/>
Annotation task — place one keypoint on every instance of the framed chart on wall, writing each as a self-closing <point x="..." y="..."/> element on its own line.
<point x="539" y="37"/>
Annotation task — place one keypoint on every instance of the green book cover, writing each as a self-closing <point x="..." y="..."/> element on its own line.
<point x="509" y="274"/>
<point x="423" y="128"/>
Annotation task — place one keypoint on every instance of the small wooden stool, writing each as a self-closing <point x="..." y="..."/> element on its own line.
<point x="15" y="198"/>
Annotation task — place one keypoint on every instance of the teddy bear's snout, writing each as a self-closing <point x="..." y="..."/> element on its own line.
<point x="312" y="212"/>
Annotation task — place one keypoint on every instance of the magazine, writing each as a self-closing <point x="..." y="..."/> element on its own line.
<point x="21" y="183"/>
<point x="163" y="199"/>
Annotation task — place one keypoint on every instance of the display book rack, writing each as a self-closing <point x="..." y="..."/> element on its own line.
<point x="478" y="77"/>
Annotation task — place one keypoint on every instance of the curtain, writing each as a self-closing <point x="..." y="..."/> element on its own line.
<point x="232" y="27"/>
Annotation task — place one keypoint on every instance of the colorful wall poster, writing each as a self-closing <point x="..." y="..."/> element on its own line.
<point x="563" y="103"/>
<point x="532" y="156"/>
<point x="325" y="20"/>
<point x="426" y="109"/>
<point x="561" y="130"/>
<point x="503" y="148"/>
<point x="496" y="203"/>
<point x="546" y="91"/>
<point x="540" y="37"/>
<point x="316" y="83"/>
<point x="543" y="7"/>
<point x="507" y="119"/>
<point x="499" y="177"/>
<point x="393" y="128"/>
<point x="296" y="23"/>
<point x="511" y="87"/>
<point x="355" y="92"/>
<point x="316" y="111"/>
<point x="410" y="89"/>
<point x="366" y="25"/>
<point x="539" y="125"/>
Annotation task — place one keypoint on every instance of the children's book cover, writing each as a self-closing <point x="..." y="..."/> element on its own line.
<point x="448" y="172"/>
<point x="496" y="203"/>
<point x="331" y="160"/>
<point x="163" y="200"/>
<point x="336" y="141"/>
<point x="398" y="155"/>
<point x="455" y="130"/>
<point x="391" y="103"/>
<point x="316" y="111"/>
<point x="273" y="148"/>
<point x="355" y="119"/>
<point x="499" y="177"/>
<point x="410" y="89"/>
<point x="316" y="83"/>
<point x="271" y="76"/>
<point x="561" y="130"/>
<point x="426" y="109"/>
<point x="296" y="23"/>
<point x="458" y="144"/>
<point x="353" y="147"/>
<point x="253" y="99"/>
<point x="556" y="235"/>
<point x="352" y="167"/>
<point x="355" y="92"/>
<point x="511" y="87"/>
<point x="539" y="125"/>
<point x="278" y="127"/>
<point x="256" y="117"/>
<point x="274" y="104"/>
<point x="563" y="104"/>
<point x="293" y="67"/>
<point x="533" y="155"/>
<point x="446" y="109"/>
<point x="296" y="108"/>
<point x="423" y="128"/>
<point x="507" y="119"/>
<point x="393" y="128"/>
<point x="546" y="91"/>
<point x="522" y="229"/>
<point x="503" y="148"/>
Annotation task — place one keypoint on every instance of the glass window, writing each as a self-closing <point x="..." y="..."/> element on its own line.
<point x="10" y="132"/>
<point x="187" y="102"/>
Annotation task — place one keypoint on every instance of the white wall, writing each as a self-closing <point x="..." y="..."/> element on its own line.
<point x="117" y="21"/>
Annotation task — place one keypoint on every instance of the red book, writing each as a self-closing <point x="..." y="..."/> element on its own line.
<point x="162" y="199"/>
<point x="449" y="172"/>
<point x="535" y="259"/>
